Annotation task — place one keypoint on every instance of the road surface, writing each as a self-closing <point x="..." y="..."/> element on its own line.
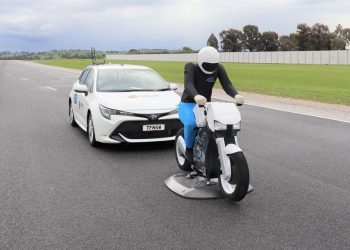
<point x="57" y="192"/>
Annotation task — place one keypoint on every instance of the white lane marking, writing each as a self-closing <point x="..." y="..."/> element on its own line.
<point x="63" y="78"/>
<point x="24" y="79"/>
<point x="293" y="112"/>
<point x="51" y="88"/>
<point x="298" y="113"/>
<point x="7" y="74"/>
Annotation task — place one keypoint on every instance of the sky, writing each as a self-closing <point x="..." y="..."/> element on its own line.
<point x="39" y="25"/>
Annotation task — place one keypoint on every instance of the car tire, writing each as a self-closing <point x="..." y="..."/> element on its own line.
<point x="91" y="131"/>
<point x="71" y="115"/>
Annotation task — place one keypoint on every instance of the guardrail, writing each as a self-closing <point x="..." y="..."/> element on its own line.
<point x="336" y="57"/>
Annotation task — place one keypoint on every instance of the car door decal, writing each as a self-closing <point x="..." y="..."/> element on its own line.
<point x="80" y="105"/>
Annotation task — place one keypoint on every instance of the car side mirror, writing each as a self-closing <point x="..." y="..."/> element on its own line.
<point x="80" y="88"/>
<point x="173" y="86"/>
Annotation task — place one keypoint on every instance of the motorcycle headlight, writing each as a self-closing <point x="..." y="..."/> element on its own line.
<point x="237" y="126"/>
<point x="106" y="112"/>
<point x="219" y="126"/>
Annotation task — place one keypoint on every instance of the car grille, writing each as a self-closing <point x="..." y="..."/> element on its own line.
<point x="133" y="129"/>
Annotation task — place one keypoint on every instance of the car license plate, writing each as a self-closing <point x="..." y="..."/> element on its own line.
<point x="153" y="127"/>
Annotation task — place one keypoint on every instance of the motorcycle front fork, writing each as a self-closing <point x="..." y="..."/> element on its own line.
<point x="224" y="152"/>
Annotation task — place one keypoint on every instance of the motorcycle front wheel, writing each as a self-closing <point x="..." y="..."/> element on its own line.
<point x="181" y="160"/>
<point x="236" y="188"/>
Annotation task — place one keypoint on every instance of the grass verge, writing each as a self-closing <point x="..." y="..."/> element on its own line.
<point x="321" y="83"/>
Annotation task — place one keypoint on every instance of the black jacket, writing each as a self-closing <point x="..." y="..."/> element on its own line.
<point x="199" y="83"/>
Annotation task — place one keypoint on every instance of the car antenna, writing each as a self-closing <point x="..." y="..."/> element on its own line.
<point x="93" y="57"/>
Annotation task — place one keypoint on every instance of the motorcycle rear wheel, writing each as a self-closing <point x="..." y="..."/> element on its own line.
<point x="236" y="188"/>
<point x="181" y="160"/>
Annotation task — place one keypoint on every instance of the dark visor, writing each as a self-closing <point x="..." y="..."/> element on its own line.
<point x="211" y="67"/>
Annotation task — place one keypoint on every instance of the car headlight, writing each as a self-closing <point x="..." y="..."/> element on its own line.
<point x="220" y="126"/>
<point x="106" y="112"/>
<point x="173" y="112"/>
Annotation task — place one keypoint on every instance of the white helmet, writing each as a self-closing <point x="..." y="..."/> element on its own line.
<point x="208" y="59"/>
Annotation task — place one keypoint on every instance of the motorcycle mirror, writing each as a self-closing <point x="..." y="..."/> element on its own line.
<point x="173" y="86"/>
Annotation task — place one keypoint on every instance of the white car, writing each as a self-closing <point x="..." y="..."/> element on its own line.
<point x="124" y="103"/>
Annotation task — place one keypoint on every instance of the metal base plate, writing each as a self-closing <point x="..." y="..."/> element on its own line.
<point x="196" y="188"/>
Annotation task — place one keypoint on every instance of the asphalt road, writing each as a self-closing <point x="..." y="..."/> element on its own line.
<point x="57" y="192"/>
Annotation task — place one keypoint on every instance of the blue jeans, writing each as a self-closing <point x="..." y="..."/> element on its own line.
<point x="188" y="119"/>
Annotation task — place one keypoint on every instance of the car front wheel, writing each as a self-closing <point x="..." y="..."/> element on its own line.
<point x="71" y="116"/>
<point x="91" y="132"/>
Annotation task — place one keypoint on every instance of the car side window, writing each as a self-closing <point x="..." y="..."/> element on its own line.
<point x="83" y="76"/>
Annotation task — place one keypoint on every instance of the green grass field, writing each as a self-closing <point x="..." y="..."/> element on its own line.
<point x="322" y="83"/>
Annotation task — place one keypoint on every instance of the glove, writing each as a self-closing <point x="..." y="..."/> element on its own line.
<point x="239" y="99"/>
<point x="200" y="100"/>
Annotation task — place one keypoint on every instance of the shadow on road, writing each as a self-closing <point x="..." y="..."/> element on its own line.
<point x="138" y="147"/>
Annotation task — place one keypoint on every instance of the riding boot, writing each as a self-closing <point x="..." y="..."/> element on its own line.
<point x="189" y="155"/>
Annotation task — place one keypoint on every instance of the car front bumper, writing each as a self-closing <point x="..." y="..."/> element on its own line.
<point x="129" y="129"/>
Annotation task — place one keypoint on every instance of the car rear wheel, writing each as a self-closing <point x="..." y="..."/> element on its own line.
<point x="91" y="132"/>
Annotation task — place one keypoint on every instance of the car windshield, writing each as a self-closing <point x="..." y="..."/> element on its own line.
<point x="126" y="80"/>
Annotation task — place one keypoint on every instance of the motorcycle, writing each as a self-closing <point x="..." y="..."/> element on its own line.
<point x="216" y="153"/>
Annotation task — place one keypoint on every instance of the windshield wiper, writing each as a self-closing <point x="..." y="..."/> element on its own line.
<point x="148" y="90"/>
<point x="130" y="90"/>
<point x="165" y="89"/>
<point x="134" y="90"/>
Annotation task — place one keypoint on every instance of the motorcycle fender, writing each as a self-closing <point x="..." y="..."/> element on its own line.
<point x="232" y="149"/>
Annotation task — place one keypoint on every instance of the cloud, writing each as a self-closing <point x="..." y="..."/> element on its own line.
<point x="121" y="25"/>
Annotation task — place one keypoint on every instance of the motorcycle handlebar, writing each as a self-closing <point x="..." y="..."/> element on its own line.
<point x="237" y="104"/>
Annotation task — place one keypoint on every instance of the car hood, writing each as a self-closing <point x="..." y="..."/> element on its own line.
<point x="140" y="102"/>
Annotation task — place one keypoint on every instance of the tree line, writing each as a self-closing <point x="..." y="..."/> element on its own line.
<point x="161" y="51"/>
<point x="315" y="37"/>
<point x="48" y="55"/>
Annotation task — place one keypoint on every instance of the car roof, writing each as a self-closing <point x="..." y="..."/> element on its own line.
<point x="119" y="66"/>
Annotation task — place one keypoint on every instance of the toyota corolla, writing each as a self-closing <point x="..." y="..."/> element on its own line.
<point x="124" y="103"/>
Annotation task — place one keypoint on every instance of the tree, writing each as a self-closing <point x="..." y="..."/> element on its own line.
<point x="251" y="38"/>
<point x="269" y="41"/>
<point x="346" y="35"/>
<point x="186" y="50"/>
<point x="338" y="30"/>
<point x="337" y="43"/>
<point x="288" y="43"/>
<point x="317" y="37"/>
<point x="338" y="39"/>
<point x="320" y="38"/>
<point x="303" y="36"/>
<point x="213" y="41"/>
<point x="231" y="40"/>
<point x="134" y="51"/>
<point x="294" y="37"/>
